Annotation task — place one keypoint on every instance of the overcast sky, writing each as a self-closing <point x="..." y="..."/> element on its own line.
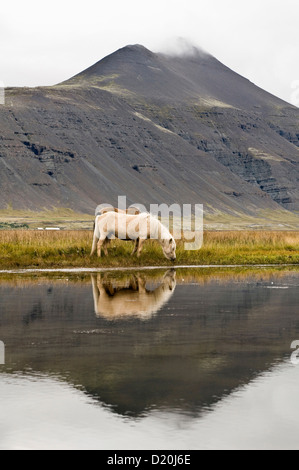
<point x="45" y="42"/>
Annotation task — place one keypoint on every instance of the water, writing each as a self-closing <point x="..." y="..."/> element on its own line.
<point x="192" y="359"/>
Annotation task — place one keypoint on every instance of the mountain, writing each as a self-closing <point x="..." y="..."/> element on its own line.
<point x="153" y="127"/>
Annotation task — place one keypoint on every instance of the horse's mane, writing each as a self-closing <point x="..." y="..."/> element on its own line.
<point x="159" y="225"/>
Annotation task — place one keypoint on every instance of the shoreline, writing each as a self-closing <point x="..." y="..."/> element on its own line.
<point x="142" y="268"/>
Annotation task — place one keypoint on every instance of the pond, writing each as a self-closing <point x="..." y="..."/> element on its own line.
<point x="177" y="359"/>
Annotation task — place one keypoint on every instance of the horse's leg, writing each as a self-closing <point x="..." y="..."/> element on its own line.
<point x="100" y="244"/>
<point x="135" y="246"/>
<point x="94" y="244"/>
<point x="105" y="245"/>
<point x="96" y="292"/>
<point x="101" y="282"/>
<point x="141" y="285"/>
<point x="140" y="245"/>
<point x="110" y="289"/>
<point x="134" y="283"/>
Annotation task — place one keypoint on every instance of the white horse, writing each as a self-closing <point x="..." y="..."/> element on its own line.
<point x="130" y="298"/>
<point x="132" y="211"/>
<point x="139" y="228"/>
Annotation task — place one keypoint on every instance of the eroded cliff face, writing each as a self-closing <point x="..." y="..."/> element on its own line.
<point x="154" y="128"/>
<point x="249" y="145"/>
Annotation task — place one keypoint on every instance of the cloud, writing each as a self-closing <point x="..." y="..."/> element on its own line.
<point x="43" y="43"/>
<point x="181" y="47"/>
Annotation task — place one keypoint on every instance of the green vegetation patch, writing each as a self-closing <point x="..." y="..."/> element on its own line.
<point x="13" y="226"/>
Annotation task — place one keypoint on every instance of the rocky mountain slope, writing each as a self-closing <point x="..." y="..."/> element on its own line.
<point x="156" y="129"/>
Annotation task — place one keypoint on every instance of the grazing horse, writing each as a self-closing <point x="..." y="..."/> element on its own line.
<point x="130" y="298"/>
<point x="132" y="210"/>
<point x="139" y="227"/>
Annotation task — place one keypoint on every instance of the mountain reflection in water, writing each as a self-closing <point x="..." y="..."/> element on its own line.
<point x="204" y="335"/>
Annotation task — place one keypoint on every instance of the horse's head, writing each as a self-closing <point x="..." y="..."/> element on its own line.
<point x="169" y="247"/>
<point x="169" y="279"/>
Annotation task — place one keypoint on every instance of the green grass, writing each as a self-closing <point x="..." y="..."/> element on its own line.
<point x="32" y="249"/>
<point x="13" y="226"/>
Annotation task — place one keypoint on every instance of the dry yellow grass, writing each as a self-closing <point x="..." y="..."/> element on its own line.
<point x="71" y="249"/>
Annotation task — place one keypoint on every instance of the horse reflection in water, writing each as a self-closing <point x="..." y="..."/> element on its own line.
<point x="114" y="300"/>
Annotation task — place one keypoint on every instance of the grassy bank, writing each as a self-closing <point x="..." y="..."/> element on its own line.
<point x="32" y="249"/>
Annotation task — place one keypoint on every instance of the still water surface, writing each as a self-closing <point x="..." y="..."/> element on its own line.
<point x="186" y="359"/>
